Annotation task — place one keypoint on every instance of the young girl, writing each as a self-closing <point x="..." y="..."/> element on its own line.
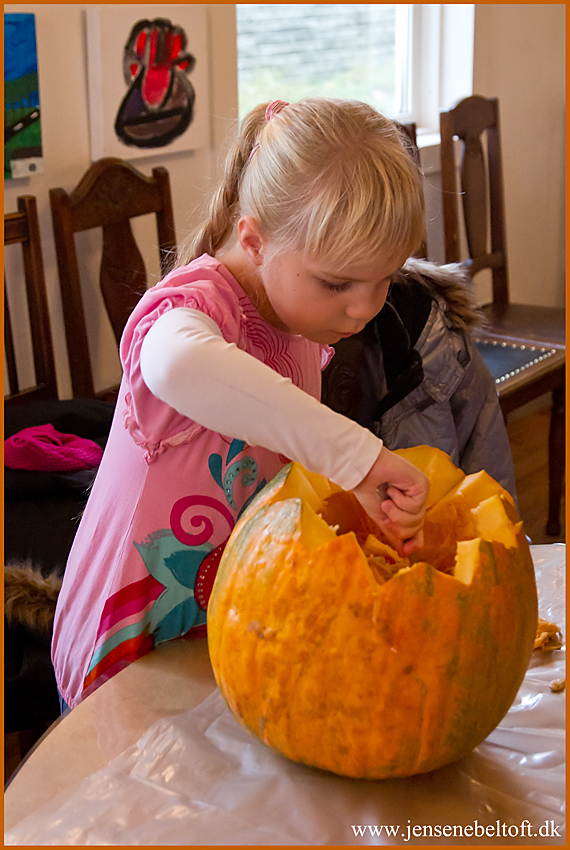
<point x="222" y="369"/>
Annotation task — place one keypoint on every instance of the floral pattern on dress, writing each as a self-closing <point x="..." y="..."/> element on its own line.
<point x="181" y="566"/>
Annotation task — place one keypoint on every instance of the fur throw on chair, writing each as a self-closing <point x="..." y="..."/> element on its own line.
<point x="29" y="597"/>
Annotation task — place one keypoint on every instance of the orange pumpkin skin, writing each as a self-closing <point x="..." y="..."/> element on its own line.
<point x="371" y="680"/>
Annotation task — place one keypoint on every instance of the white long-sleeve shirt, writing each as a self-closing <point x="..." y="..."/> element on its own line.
<point x="186" y="363"/>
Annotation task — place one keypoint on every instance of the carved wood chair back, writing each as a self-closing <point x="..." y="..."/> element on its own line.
<point x="475" y="120"/>
<point x="108" y="196"/>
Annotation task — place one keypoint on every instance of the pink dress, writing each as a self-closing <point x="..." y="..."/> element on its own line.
<point x="167" y="493"/>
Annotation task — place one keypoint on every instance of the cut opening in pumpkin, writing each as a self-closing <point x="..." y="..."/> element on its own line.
<point x="474" y="506"/>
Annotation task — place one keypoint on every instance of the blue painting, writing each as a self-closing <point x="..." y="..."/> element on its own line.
<point x="22" y="127"/>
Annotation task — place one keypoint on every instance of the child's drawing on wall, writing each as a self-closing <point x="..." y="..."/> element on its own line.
<point x="22" y="129"/>
<point x="159" y="104"/>
<point x="148" y="79"/>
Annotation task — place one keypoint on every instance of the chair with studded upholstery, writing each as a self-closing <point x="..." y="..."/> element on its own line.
<point x="523" y="345"/>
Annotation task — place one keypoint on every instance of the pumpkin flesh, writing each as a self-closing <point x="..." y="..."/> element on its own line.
<point x="339" y="654"/>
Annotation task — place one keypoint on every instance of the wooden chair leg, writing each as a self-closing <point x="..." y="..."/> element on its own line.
<point x="556" y="461"/>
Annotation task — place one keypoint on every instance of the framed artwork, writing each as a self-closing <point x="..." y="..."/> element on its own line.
<point x="22" y="127"/>
<point x="148" y="79"/>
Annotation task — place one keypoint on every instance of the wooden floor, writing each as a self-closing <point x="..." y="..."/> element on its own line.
<point x="529" y="442"/>
<point x="528" y="437"/>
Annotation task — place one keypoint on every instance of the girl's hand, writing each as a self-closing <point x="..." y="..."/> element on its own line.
<point x="398" y="507"/>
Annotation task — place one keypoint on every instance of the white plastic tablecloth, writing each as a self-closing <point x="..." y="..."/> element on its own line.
<point x="199" y="778"/>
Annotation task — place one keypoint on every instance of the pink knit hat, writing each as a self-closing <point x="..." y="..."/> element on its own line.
<point x="42" y="448"/>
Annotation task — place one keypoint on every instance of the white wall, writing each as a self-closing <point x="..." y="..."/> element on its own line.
<point x="519" y="57"/>
<point x="65" y="139"/>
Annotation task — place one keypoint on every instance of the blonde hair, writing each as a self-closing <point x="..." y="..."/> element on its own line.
<point x="325" y="177"/>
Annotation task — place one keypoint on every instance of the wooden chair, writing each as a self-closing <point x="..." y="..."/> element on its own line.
<point x="30" y="694"/>
<point x="108" y="196"/>
<point x="409" y="131"/>
<point x="22" y="228"/>
<point x="523" y="345"/>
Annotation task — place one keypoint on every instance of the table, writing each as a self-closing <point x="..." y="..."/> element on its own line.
<point x="155" y="757"/>
<point x="172" y="679"/>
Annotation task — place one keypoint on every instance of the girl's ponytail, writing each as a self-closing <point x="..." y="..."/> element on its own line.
<point x="223" y="211"/>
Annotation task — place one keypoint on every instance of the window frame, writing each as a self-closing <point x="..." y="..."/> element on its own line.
<point x="441" y="60"/>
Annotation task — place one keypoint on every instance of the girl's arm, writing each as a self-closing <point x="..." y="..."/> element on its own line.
<point x="186" y="362"/>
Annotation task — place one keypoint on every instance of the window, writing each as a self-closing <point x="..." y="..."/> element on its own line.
<point x="345" y="50"/>
<point x="407" y="60"/>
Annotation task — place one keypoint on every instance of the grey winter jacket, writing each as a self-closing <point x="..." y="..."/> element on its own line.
<point x="455" y="407"/>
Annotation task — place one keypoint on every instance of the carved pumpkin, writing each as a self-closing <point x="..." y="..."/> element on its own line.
<point x="337" y="653"/>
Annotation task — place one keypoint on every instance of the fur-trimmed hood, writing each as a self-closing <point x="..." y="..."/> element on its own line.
<point x="451" y="285"/>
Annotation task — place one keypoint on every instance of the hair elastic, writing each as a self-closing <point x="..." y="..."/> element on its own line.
<point x="272" y="110"/>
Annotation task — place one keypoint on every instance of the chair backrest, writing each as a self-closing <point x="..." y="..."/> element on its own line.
<point x="409" y="131"/>
<point x="475" y="121"/>
<point x="22" y="228"/>
<point x="108" y="196"/>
